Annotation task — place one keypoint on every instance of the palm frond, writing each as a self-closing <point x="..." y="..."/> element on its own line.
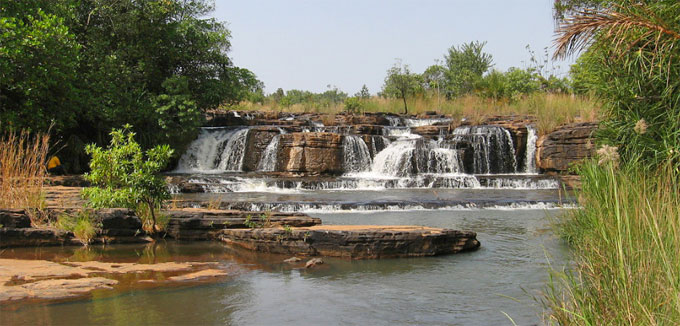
<point x="620" y="25"/>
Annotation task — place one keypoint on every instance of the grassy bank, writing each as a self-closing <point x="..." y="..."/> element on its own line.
<point x="626" y="250"/>
<point x="551" y="110"/>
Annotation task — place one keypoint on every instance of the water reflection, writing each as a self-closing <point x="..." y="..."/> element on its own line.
<point x="467" y="289"/>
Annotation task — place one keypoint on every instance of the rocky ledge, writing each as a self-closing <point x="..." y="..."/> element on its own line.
<point x="353" y="241"/>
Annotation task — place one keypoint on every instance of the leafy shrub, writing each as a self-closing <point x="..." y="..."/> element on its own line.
<point x="124" y="176"/>
<point x="353" y="105"/>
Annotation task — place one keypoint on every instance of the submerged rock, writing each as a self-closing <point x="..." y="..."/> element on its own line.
<point x="292" y="260"/>
<point x="313" y="262"/>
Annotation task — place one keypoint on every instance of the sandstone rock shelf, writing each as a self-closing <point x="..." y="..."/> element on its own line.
<point x="353" y="241"/>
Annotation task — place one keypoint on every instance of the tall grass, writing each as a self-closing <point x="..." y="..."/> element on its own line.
<point x="626" y="251"/>
<point x="550" y="110"/>
<point x="22" y="169"/>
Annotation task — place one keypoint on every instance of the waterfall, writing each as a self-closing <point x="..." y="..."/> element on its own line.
<point x="356" y="154"/>
<point x="426" y="122"/>
<point x="530" y="160"/>
<point x="215" y="149"/>
<point x="394" y="121"/>
<point x="269" y="156"/>
<point x="378" y="143"/>
<point x="493" y="149"/>
<point x="406" y="157"/>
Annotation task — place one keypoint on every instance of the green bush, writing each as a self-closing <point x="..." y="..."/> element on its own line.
<point x="82" y="225"/>
<point x="124" y="176"/>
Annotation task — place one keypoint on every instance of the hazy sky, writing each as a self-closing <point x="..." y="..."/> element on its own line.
<point x="297" y="44"/>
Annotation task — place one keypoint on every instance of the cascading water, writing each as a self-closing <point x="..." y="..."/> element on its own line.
<point x="530" y="159"/>
<point x="269" y="156"/>
<point x="492" y="147"/>
<point x="405" y="157"/>
<point x="357" y="157"/>
<point x="215" y="149"/>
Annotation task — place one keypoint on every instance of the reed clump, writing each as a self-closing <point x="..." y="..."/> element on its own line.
<point x="626" y="255"/>
<point x="22" y="170"/>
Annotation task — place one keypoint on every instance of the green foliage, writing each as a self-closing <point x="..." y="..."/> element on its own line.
<point x="89" y="66"/>
<point x="124" y="176"/>
<point x="465" y="66"/>
<point x="363" y="94"/>
<point x="401" y="83"/>
<point x="264" y="221"/>
<point x="83" y="225"/>
<point x="634" y="70"/>
<point x="353" y="105"/>
<point x="625" y="249"/>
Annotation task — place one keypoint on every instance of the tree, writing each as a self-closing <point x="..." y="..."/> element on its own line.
<point x="401" y="83"/>
<point x="122" y="175"/>
<point x="433" y="78"/>
<point x="465" y="66"/>
<point x="88" y="66"/>
<point x="363" y="94"/>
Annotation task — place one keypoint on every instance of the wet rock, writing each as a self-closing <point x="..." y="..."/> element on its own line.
<point x="557" y="150"/>
<point x="353" y="241"/>
<point x="292" y="260"/>
<point x="32" y="237"/>
<point x="205" y="224"/>
<point x="429" y="131"/>
<point x="14" y="218"/>
<point x="206" y="273"/>
<point x="313" y="262"/>
<point x="517" y="125"/>
<point x="55" y="289"/>
<point x="257" y="140"/>
<point x="312" y="153"/>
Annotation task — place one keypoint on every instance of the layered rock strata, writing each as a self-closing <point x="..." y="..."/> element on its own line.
<point x="353" y="241"/>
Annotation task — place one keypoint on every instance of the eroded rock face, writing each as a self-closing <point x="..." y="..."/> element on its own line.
<point x="568" y="144"/>
<point x="311" y="153"/>
<point x="256" y="142"/>
<point x="205" y="224"/>
<point x="32" y="237"/>
<point x="14" y="218"/>
<point x="353" y="241"/>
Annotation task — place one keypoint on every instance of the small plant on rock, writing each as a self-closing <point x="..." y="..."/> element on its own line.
<point x="82" y="225"/>
<point x="123" y="175"/>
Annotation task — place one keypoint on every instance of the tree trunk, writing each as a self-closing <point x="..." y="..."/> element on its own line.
<point x="403" y="97"/>
<point x="153" y="216"/>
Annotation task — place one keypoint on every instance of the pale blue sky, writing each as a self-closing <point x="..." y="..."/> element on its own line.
<point x="305" y="44"/>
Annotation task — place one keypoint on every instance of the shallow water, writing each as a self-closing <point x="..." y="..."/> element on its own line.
<point x="477" y="288"/>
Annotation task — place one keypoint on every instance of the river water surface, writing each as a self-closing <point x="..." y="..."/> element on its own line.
<point x="490" y="286"/>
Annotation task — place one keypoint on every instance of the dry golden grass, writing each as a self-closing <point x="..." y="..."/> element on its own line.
<point x="550" y="110"/>
<point x="22" y="169"/>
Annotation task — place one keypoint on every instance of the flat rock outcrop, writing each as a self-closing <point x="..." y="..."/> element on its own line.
<point x="353" y="241"/>
<point x="564" y="146"/>
<point x="311" y="153"/>
<point x="205" y="224"/>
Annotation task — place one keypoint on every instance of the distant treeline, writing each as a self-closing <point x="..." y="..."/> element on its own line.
<point x="465" y="70"/>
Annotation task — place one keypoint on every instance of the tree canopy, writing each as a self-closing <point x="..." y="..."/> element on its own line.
<point x="86" y="66"/>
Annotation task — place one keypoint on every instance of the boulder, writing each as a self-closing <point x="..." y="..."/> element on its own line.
<point x="311" y="153"/>
<point x="564" y="146"/>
